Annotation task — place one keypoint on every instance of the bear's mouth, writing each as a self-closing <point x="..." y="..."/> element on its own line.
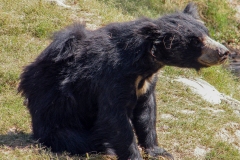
<point x="223" y="60"/>
<point x="210" y="60"/>
<point x="208" y="64"/>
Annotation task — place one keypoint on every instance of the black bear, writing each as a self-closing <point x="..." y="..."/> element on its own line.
<point x="94" y="90"/>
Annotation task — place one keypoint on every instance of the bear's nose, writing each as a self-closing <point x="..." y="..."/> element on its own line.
<point x="223" y="52"/>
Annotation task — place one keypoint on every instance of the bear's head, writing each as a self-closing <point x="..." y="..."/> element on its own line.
<point x="184" y="41"/>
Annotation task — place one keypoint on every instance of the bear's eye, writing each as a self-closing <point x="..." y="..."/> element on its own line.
<point x="195" y="42"/>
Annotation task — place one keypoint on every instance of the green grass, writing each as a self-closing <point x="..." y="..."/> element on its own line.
<point x="26" y="26"/>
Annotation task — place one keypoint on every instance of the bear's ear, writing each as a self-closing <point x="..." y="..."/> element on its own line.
<point x="192" y="10"/>
<point x="148" y="30"/>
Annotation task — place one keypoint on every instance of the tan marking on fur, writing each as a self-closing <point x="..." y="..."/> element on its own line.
<point x="139" y="78"/>
<point x="145" y="86"/>
<point x="201" y="21"/>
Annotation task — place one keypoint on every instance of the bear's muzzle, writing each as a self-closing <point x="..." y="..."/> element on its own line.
<point x="213" y="53"/>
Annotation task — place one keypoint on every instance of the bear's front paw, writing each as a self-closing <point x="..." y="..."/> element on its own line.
<point x="157" y="151"/>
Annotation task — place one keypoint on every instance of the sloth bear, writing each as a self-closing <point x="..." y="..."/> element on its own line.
<point x="93" y="91"/>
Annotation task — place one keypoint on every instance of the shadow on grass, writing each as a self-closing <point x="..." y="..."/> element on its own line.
<point x="23" y="140"/>
<point x="17" y="140"/>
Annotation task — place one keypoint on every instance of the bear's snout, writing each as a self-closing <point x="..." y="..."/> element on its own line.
<point x="213" y="53"/>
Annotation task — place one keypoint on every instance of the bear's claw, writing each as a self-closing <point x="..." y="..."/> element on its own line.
<point x="157" y="151"/>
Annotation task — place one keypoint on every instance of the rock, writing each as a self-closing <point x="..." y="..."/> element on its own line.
<point x="204" y="89"/>
<point x="208" y="92"/>
<point x="187" y="111"/>
<point x="168" y="116"/>
<point x="200" y="152"/>
<point x="60" y="3"/>
<point x="214" y="110"/>
<point x="237" y="134"/>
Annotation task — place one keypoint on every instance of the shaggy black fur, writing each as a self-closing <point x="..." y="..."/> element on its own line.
<point x="90" y="90"/>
